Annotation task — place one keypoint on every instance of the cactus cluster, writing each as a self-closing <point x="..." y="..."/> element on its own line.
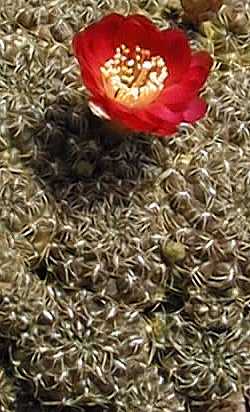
<point x="124" y="260"/>
<point x="7" y="393"/>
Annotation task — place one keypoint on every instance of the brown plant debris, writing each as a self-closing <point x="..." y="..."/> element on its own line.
<point x="200" y="10"/>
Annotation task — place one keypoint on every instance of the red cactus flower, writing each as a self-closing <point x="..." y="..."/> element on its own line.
<point x="138" y="76"/>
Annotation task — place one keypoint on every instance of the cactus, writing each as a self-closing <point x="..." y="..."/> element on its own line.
<point x="124" y="260"/>
<point x="7" y="393"/>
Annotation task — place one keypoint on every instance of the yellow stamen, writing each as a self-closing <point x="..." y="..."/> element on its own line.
<point x="134" y="78"/>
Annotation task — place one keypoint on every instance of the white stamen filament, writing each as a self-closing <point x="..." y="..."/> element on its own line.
<point x="134" y="79"/>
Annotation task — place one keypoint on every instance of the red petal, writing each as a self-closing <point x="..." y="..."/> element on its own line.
<point x="91" y="79"/>
<point x="136" y="120"/>
<point x="165" y="120"/>
<point x="176" y="51"/>
<point x="195" y="110"/>
<point x="96" y="43"/>
<point x="142" y="120"/>
<point x="195" y="79"/>
<point x="144" y="21"/>
<point x="132" y="119"/>
<point x="163" y="113"/>
<point x="201" y="63"/>
<point x="137" y="30"/>
<point x="177" y="96"/>
<point x="202" y="59"/>
<point x="93" y="46"/>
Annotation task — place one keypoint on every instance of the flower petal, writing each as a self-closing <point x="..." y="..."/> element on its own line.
<point x="165" y="120"/>
<point x="202" y="59"/>
<point x="195" y="110"/>
<point x="137" y="30"/>
<point x="133" y="120"/>
<point x="177" y="96"/>
<point x="162" y="113"/>
<point x="137" y="120"/>
<point x="176" y="51"/>
<point x="91" y="79"/>
<point x="93" y="46"/>
<point x="178" y="101"/>
<point x="165" y="130"/>
<point x="198" y="72"/>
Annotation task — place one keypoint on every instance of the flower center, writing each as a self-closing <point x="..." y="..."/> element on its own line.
<point x="134" y="79"/>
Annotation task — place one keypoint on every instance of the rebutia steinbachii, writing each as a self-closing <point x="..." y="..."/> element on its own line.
<point x="124" y="260"/>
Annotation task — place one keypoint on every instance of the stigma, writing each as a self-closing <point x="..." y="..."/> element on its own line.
<point x="134" y="78"/>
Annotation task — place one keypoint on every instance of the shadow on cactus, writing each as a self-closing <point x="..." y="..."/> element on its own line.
<point x="82" y="161"/>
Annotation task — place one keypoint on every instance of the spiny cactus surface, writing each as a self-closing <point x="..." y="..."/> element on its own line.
<point x="124" y="259"/>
